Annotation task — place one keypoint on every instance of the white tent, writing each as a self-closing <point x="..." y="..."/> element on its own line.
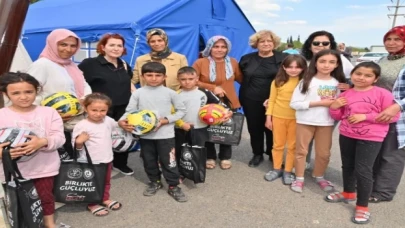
<point x="21" y="59"/>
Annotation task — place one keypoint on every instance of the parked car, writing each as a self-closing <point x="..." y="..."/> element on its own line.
<point x="371" y="56"/>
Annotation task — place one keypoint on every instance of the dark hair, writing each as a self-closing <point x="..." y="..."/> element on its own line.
<point x="96" y="97"/>
<point x="290" y="45"/>
<point x="16" y="77"/>
<point x="306" y="47"/>
<point x="372" y="65"/>
<point x="282" y="77"/>
<point x="153" y="67"/>
<point x="337" y="73"/>
<point x="186" y="70"/>
<point x="104" y="40"/>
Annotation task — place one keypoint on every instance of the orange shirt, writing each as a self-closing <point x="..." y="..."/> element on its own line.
<point x="202" y="67"/>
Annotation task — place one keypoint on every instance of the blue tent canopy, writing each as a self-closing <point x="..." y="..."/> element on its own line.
<point x="188" y="23"/>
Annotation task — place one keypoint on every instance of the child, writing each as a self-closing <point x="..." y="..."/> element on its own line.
<point x="361" y="136"/>
<point x="160" y="144"/>
<point x="21" y="89"/>
<point x="311" y="100"/>
<point x="281" y="118"/>
<point x="193" y="98"/>
<point x="95" y="131"/>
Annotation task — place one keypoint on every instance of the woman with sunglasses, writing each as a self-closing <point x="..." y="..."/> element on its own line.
<point x="315" y="43"/>
<point x="109" y="74"/>
<point x="158" y="41"/>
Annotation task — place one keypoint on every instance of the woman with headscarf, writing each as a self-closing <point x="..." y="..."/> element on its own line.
<point x="259" y="70"/>
<point x="389" y="165"/>
<point x="217" y="73"/>
<point x="56" y="72"/>
<point x="109" y="74"/>
<point x="158" y="41"/>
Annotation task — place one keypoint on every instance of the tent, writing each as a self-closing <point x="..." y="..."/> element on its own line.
<point x="189" y="24"/>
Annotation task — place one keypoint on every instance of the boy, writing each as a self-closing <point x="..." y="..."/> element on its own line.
<point x="160" y="144"/>
<point x="193" y="98"/>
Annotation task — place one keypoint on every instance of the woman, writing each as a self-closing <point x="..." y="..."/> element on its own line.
<point x="160" y="52"/>
<point x="109" y="74"/>
<point x="315" y="43"/>
<point x="259" y="69"/>
<point x="56" y="72"/>
<point x="389" y="164"/>
<point x="217" y="72"/>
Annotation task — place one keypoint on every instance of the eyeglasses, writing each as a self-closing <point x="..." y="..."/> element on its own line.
<point x="317" y="43"/>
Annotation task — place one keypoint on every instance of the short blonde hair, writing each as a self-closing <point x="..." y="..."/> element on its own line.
<point x="254" y="39"/>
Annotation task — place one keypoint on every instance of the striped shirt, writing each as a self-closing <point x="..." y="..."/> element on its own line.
<point x="399" y="96"/>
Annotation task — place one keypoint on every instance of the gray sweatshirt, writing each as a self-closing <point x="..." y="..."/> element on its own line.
<point x="159" y="100"/>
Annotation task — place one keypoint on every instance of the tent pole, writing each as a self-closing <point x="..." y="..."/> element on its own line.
<point x="133" y="50"/>
<point x="12" y="16"/>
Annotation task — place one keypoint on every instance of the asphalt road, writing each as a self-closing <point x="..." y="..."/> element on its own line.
<point x="238" y="197"/>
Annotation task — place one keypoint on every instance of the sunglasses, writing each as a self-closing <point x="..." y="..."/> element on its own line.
<point x="317" y="43"/>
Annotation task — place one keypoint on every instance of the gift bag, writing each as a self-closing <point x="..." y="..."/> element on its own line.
<point x="66" y="151"/>
<point x="229" y="133"/>
<point x="80" y="182"/>
<point x="22" y="202"/>
<point x="192" y="160"/>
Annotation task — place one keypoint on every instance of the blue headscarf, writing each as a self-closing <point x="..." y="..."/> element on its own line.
<point x="227" y="59"/>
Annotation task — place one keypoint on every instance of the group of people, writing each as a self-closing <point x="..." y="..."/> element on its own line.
<point x="287" y="99"/>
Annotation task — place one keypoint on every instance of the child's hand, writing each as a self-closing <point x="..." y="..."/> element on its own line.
<point x="389" y="113"/>
<point x="31" y="146"/>
<point x="338" y="103"/>
<point x="66" y="117"/>
<point x="82" y="138"/>
<point x="356" y="118"/>
<point x="186" y="126"/>
<point x="343" y="86"/>
<point x="327" y="102"/>
<point x="266" y="103"/>
<point x="227" y="116"/>
<point x="124" y="125"/>
<point x="269" y="123"/>
<point x="162" y="121"/>
<point x="2" y="145"/>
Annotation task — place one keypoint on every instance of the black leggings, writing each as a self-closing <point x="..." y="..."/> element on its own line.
<point x="358" y="157"/>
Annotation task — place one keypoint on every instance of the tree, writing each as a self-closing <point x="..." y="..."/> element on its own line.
<point x="34" y="1"/>
<point x="366" y="49"/>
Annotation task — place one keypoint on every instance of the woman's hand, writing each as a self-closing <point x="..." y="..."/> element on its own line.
<point x="266" y="103"/>
<point x="343" y="86"/>
<point x="31" y="146"/>
<point x="133" y="88"/>
<point x="124" y="125"/>
<point x="389" y="113"/>
<point x="219" y="91"/>
<point x="269" y="123"/>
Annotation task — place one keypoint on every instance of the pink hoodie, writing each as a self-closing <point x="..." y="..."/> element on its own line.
<point x="44" y="122"/>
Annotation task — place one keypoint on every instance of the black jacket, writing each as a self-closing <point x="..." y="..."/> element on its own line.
<point x="248" y="65"/>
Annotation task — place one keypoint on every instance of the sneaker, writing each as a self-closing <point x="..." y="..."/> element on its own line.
<point x="152" y="188"/>
<point x="273" y="175"/>
<point x="124" y="170"/>
<point x="288" y="178"/>
<point x="297" y="186"/>
<point x="177" y="194"/>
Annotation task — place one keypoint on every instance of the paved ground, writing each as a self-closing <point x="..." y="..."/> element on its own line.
<point x="235" y="198"/>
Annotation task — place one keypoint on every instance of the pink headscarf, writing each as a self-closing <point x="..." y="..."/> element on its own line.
<point x="51" y="52"/>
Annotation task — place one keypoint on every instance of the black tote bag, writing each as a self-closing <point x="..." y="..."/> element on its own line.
<point x="22" y="202"/>
<point x="80" y="182"/>
<point x="229" y="133"/>
<point x="192" y="160"/>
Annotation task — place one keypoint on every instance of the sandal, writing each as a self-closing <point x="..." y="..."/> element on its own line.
<point x="337" y="197"/>
<point x="361" y="217"/>
<point x="210" y="164"/>
<point x="378" y="200"/>
<point x="112" y="205"/>
<point x="225" y="164"/>
<point x="325" y="185"/>
<point x="96" y="211"/>
<point x="273" y="175"/>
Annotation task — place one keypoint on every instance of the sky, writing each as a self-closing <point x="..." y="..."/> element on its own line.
<point x="358" y="23"/>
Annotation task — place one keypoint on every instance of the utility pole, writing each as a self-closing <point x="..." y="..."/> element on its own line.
<point x="395" y="14"/>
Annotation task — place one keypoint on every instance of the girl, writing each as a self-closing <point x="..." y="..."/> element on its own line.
<point x="361" y="136"/>
<point x="21" y="89"/>
<point x="311" y="100"/>
<point x="96" y="131"/>
<point x="281" y="118"/>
